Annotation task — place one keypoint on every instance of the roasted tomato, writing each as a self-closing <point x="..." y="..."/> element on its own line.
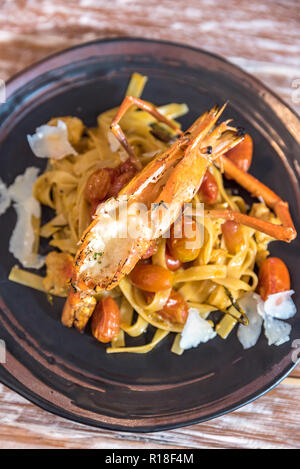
<point x="171" y="262"/>
<point x="97" y="185"/>
<point x="106" y="320"/>
<point x="273" y="277"/>
<point x="122" y="175"/>
<point x="151" y="278"/>
<point x="184" y="246"/>
<point x="233" y="236"/>
<point x="241" y="155"/>
<point x="176" y="309"/>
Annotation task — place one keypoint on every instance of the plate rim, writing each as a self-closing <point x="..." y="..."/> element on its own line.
<point x="116" y="39"/>
<point x="59" y="411"/>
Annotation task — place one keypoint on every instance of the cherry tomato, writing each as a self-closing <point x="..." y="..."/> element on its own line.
<point x="119" y="182"/>
<point x="97" y="185"/>
<point x="106" y="320"/>
<point x="151" y="278"/>
<point x="176" y="309"/>
<point x="113" y="172"/>
<point x="233" y="236"/>
<point x="273" y="277"/>
<point x="241" y="154"/>
<point x="122" y="175"/>
<point x="209" y="188"/>
<point x="127" y="166"/>
<point x="172" y="263"/>
<point x="180" y="247"/>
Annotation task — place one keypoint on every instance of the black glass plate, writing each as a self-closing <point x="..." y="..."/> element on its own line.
<point x="70" y="374"/>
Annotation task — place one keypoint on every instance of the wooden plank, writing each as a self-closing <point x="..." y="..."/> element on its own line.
<point x="270" y="422"/>
<point x="262" y="37"/>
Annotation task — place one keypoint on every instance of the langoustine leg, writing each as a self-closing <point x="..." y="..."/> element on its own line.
<point x="286" y="232"/>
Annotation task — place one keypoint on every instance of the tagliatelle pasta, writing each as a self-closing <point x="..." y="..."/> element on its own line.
<point x="211" y="282"/>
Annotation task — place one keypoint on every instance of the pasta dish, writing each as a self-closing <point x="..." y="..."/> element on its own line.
<point x="200" y="269"/>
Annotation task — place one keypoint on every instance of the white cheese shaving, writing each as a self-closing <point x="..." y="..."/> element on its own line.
<point x="249" y="335"/>
<point x="277" y="332"/>
<point x="196" y="330"/>
<point x="113" y="142"/>
<point x="123" y="156"/>
<point x="51" y="141"/>
<point x="4" y="198"/>
<point x="280" y="305"/>
<point x="21" y="189"/>
<point x="26" y="206"/>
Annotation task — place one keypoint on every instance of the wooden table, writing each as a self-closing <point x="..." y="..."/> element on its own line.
<point x="260" y="36"/>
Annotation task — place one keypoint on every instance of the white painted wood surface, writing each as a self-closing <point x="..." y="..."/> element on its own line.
<point x="263" y="38"/>
<point x="270" y="422"/>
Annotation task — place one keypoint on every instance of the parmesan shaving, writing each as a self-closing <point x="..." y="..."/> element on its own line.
<point x="4" y="198"/>
<point x="196" y="330"/>
<point x="249" y="335"/>
<point x="51" y="141"/>
<point x="23" y="238"/>
<point x="113" y="142"/>
<point x="278" y="305"/>
<point x="277" y="332"/>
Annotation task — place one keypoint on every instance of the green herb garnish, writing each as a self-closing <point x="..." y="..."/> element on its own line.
<point x="96" y="255"/>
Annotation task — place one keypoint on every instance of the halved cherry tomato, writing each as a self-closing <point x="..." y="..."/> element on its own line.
<point x="273" y="277"/>
<point x="127" y="166"/>
<point x="172" y="263"/>
<point x="209" y="188"/>
<point x="119" y="182"/>
<point x="233" y="236"/>
<point x="122" y="175"/>
<point x="150" y="277"/>
<point x="176" y="309"/>
<point x="97" y="185"/>
<point x="182" y="247"/>
<point x="241" y="154"/>
<point x="113" y="172"/>
<point x="106" y="320"/>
